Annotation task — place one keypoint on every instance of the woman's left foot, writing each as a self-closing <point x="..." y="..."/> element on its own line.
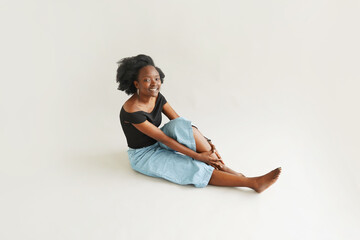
<point x="266" y="180"/>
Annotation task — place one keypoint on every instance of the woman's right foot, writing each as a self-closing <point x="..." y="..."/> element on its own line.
<point x="265" y="181"/>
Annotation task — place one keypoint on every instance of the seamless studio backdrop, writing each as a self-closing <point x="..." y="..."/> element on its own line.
<point x="272" y="83"/>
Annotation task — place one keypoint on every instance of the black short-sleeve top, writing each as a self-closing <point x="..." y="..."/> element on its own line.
<point x="134" y="137"/>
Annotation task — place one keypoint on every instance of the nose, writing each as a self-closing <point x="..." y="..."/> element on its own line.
<point x="153" y="81"/>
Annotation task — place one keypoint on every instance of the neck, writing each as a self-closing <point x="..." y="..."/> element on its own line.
<point x="144" y="99"/>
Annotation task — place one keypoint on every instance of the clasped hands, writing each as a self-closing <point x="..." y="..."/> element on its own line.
<point x="212" y="158"/>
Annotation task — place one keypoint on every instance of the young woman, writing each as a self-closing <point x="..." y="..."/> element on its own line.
<point x="177" y="152"/>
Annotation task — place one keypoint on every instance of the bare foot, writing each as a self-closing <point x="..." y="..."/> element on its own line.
<point x="265" y="181"/>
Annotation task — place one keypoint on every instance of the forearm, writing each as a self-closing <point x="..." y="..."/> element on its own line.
<point x="154" y="132"/>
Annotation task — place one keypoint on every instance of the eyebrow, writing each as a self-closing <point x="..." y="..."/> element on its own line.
<point x="151" y="75"/>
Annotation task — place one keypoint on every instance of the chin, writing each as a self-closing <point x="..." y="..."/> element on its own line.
<point x="154" y="94"/>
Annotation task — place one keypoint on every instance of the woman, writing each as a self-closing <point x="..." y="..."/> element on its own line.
<point x="177" y="152"/>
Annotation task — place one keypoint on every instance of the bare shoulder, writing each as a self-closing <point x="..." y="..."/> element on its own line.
<point x="130" y="106"/>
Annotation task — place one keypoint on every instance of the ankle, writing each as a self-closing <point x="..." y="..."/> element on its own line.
<point x="254" y="183"/>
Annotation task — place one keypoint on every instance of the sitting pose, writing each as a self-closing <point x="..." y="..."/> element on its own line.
<point x="177" y="152"/>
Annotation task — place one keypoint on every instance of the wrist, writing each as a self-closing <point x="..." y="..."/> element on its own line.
<point x="195" y="155"/>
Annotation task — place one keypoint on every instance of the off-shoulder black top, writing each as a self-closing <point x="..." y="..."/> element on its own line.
<point x="134" y="137"/>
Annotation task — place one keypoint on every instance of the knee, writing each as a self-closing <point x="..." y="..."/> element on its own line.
<point x="172" y="126"/>
<point x="195" y="130"/>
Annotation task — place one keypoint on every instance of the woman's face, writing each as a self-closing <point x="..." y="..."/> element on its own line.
<point x="148" y="82"/>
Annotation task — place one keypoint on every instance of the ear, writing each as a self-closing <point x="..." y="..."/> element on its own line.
<point x="136" y="83"/>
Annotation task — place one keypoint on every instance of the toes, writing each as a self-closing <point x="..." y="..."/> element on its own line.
<point x="276" y="173"/>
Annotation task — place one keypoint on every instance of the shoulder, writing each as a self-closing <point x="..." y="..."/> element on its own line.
<point x="130" y="106"/>
<point x="130" y="114"/>
<point x="162" y="99"/>
<point x="160" y="95"/>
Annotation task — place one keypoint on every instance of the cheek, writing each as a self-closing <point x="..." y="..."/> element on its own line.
<point x="141" y="85"/>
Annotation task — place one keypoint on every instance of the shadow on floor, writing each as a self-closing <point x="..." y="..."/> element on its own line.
<point x="114" y="162"/>
<point x="118" y="163"/>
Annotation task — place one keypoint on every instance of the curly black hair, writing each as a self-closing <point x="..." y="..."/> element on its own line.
<point x="128" y="71"/>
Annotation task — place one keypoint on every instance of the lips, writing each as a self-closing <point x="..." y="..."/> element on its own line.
<point x="154" y="89"/>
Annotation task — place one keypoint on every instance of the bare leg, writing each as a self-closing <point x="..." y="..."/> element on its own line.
<point x="259" y="184"/>
<point x="231" y="178"/>
<point x="202" y="145"/>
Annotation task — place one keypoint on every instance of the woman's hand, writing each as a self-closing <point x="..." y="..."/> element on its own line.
<point x="214" y="150"/>
<point x="210" y="159"/>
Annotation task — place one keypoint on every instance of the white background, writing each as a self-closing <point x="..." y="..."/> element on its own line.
<point x="272" y="83"/>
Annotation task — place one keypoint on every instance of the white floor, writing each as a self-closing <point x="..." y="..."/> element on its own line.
<point x="92" y="193"/>
<point x="271" y="84"/>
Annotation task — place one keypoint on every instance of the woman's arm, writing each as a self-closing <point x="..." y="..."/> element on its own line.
<point x="152" y="131"/>
<point x="171" y="114"/>
<point x="169" y="111"/>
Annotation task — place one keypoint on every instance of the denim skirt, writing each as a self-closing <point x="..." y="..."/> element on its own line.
<point x="158" y="160"/>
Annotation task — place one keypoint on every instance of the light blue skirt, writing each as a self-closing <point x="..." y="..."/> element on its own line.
<point x="158" y="160"/>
